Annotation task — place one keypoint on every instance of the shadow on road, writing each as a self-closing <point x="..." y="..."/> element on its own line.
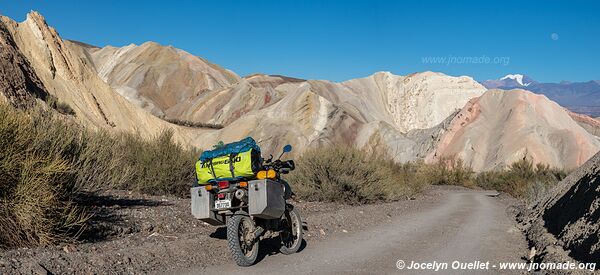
<point x="220" y="233"/>
<point x="270" y="247"/>
<point x="107" y="216"/>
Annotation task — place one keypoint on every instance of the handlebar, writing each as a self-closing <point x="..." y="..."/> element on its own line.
<point x="279" y="165"/>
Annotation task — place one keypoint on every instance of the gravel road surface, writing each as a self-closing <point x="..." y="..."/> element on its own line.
<point x="466" y="226"/>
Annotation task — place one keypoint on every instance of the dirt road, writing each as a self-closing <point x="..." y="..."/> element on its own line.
<point x="464" y="226"/>
<point x="153" y="234"/>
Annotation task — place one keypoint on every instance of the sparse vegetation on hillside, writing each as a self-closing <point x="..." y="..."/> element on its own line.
<point x="192" y="124"/>
<point x="46" y="162"/>
<point x="349" y="175"/>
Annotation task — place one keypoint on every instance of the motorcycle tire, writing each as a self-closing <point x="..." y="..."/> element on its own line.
<point x="291" y="236"/>
<point x="240" y="239"/>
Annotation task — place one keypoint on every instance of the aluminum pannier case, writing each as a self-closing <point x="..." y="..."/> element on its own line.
<point x="202" y="206"/>
<point x="265" y="199"/>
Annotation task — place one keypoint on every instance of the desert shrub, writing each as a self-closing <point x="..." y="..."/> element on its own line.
<point x="101" y="162"/>
<point x="349" y="175"/>
<point x="47" y="162"/>
<point x="62" y="107"/>
<point x="522" y="179"/>
<point x="156" y="166"/>
<point x="37" y="179"/>
<point x="448" y="171"/>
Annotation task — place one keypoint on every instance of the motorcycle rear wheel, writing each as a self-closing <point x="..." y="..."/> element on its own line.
<point x="291" y="236"/>
<point x="240" y="239"/>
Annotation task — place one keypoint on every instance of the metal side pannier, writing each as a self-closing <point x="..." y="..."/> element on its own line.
<point x="265" y="199"/>
<point x="202" y="203"/>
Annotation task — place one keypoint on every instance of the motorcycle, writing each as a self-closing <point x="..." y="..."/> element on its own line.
<point x="253" y="210"/>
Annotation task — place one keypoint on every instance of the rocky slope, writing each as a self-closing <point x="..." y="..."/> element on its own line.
<point x="566" y="223"/>
<point x="380" y="109"/>
<point x="19" y="84"/>
<point x="416" y="101"/>
<point x="156" y="77"/>
<point x="168" y="81"/>
<point x="592" y="125"/>
<point x="502" y="127"/>
<point x="64" y="71"/>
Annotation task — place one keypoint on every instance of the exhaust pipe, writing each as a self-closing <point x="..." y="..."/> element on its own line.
<point x="241" y="195"/>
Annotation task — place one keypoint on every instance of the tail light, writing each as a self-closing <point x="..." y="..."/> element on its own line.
<point x="223" y="184"/>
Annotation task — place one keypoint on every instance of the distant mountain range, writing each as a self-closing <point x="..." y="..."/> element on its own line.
<point x="579" y="97"/>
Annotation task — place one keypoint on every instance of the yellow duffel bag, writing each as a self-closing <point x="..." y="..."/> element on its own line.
<point x="230" y="162"/>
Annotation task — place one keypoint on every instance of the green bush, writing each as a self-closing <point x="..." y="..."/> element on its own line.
<point x="47" y="161"/>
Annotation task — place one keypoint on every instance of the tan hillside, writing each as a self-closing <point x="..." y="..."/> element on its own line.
<point x="157" y="77"/>
<point x="223" y="106"/>
<point x="359" y="112"/>
<point x="65" y="72"/>
<point x="588" y="123"/>
<point x="426" y="98"/>
<point x="502" y="127"/>
<point x="416" y="101"/>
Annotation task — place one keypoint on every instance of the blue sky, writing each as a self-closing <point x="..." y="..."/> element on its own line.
<point x="339" y="40"/>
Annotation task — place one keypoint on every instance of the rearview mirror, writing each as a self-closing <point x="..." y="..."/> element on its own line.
<point x="286" y="149"/>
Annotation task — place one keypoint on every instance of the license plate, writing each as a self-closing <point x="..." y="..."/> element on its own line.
<point x="221" y="204"/>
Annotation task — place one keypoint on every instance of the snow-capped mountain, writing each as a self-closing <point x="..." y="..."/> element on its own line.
<point x="509" y="81"/>
<point x="518" y="78"/>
